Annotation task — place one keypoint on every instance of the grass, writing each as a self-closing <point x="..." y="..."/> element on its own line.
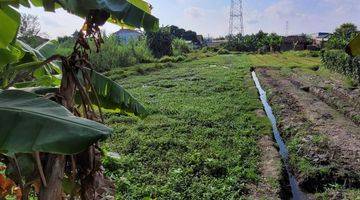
<point x="284" y="60"/>
<point x="200" y="139"/>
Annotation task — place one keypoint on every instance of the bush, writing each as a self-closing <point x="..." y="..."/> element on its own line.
<point x="115" y="54"/>
<point x="141" y="51"/>
<point x="160" y="42"/>
<point x="180" y="47"/>
<point x="339" y="61"/>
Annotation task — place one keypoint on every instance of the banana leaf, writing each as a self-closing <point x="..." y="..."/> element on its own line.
<point x="48" y="48"/>
<point x="9" y="24"/>
<point x="29" y="123"/>
<point x="131" y="13"/>
<point x="353" y="48"/>
<point x="112" y="96"/>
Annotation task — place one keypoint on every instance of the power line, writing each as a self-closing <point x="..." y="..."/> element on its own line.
<point x="236" y="23"/>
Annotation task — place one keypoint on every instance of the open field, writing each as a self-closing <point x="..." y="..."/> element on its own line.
<point x="207" y="137"/>
<point x="201" y="138"/>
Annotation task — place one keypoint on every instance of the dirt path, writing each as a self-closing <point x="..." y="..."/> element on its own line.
<point x="323" y="138"/>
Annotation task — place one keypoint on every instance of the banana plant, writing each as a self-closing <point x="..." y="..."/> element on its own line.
<point x="44" y="125"/>
<point x="353" y="48"/>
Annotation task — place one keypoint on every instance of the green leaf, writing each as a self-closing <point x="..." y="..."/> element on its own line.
<point x="48" y="49"/>
<point x="44" y="75"/>
<point x="29" y="123"/>
<point x="133" y="13"/>
<point x="353" y="48"/>
<point x="11" y="54"/>
<point x="9" y="24"/>
<point x="113" y="96"/>
<point x="142" y="5"/>
<point x="6" y="57"/>
<point x="43" y="52"/>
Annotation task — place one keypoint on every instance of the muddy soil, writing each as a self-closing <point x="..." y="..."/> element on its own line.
<point x="319" y="120"/>
<point x="270" y="168"/>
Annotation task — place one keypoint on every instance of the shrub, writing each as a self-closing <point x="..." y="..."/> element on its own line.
<point x="180" y="47"/>
<point x="115" y="54"/>
<point x="141" y="51"/>
<point x="160" y="42"/>
<point x="339" y="61"/>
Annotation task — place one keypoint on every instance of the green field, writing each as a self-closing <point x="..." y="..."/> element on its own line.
<point x="200" y="140"/>
<point x="302" y="59"/>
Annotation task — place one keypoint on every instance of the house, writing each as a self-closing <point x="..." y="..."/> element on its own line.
<point x="320" y="38"/>
<point x="215" y="42"/>
<point x="294" y="42"/>
<point x="126" y="35"/>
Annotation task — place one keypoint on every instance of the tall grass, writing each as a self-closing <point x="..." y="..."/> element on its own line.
<point x="116" y="54"/>
<point x="180" y="47"/>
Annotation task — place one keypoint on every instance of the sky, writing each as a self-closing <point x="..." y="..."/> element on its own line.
<point x="210" y="17"/>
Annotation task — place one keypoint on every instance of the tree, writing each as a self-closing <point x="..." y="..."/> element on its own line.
<point x="160" y="42"/>
<point x="274" y="41"/>
<point x="67" y="144"/>
<point x="342" y="36"/>
<point x="254" y="42"/>
<point x="29" y="31"/>
<point x="30" y="26"/>
<point x="347" y="31"/>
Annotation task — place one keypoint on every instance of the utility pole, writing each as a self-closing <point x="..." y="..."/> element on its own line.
<point x="236" y="23"/>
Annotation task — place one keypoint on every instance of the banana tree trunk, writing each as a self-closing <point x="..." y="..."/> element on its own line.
<point x="54" y="173"/>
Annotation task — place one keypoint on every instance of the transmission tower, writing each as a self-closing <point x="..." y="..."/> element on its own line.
<point x="287" y="28"/>
<point x="236" y="24"/>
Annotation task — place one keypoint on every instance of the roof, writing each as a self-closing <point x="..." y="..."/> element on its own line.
<point x="126" y="31"/>
<point x="320" y="35"/>
<point x="295" y="38"/>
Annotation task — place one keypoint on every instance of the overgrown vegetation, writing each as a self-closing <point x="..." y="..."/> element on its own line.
<point x="115" y="54"/>
<point x="260" y="42"/>
<point x="334" y="56"/>
<point x="339" y="61"/>
<point x="200" y="139"/>
<point x="160" y="42"/>
<point x="342" y="36"/>
<point x="180" y="47"/>
<point x="60" y="158"/>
